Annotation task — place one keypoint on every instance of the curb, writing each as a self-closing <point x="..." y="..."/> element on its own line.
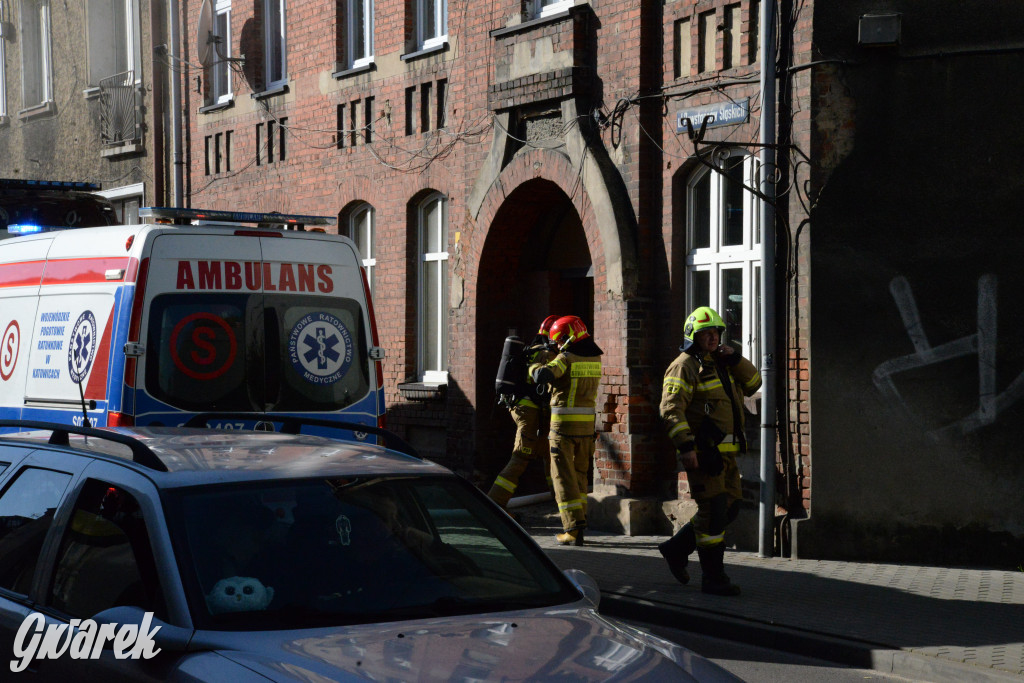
<point x="851" y="652"/>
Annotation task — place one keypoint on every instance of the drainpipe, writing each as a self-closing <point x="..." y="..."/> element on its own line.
<point x="179" y="185"/>
<point x="768" y="417"/>
<point x="159" y="190"/>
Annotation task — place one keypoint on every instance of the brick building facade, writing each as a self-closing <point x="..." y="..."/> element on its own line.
<point x="550" y="141"/>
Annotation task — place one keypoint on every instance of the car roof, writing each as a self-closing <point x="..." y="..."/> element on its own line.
<point x="185" y="456"/>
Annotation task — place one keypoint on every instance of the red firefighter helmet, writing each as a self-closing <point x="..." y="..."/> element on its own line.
<point x="566" y="330"/>
<point x="545" y="327"/>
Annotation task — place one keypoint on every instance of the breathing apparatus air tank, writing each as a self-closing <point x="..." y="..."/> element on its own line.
<point x="512" y="369"/>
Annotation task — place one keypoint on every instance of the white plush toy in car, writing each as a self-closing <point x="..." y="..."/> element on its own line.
<point x="239" y="594"/>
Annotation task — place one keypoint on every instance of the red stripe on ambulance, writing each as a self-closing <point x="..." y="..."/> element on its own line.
<point x="255" y="276"/>
<point x="97" y="384"/>
<point x="80" y="271"/>
<point x="25" y="274"/>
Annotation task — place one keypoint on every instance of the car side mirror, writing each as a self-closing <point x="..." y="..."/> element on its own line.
<point x="163" y="635"/>
<point x="586" y="585"/>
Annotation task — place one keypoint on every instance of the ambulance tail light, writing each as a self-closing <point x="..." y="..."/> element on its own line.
<point x="115" y="419"/>
<point x="135" y="320"/>
<point x="373" y="328"/>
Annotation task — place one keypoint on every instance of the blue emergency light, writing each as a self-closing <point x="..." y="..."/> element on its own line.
<point x="31" y="229"/>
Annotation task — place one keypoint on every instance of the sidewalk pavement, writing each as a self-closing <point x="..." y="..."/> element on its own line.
<point x="922" y="623"/>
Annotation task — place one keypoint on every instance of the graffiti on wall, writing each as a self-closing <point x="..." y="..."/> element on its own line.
<point x="981" y="343"/>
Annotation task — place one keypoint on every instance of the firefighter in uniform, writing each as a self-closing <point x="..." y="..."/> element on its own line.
<point x="575" y="376"/>
<point x="701" y="403"/>
<point x="529" y="412"/>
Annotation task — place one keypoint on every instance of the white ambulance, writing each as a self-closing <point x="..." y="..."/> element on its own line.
<point x="201" y="311"/>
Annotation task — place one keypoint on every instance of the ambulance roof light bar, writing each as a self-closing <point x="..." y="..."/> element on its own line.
<point x="169" y="215"/>
<point x="32" y="228"/>
<point x="23" y="184"/>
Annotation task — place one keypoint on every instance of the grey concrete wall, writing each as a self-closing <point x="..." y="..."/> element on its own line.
<point x="63" y="142"/>
<point x="917" y="378"/>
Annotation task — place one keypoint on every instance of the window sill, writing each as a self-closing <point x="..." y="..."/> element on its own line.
<point x="408" y="57"/>
<point x="227" y="104"/>
<point x="122" y="149"/>
<point x="354" y="71"/>
<point x="270" y="92"/>
<point x="531" y="24"/>
<point x="4" y="120"/>
<point x="91" y="93"/>
<point x="423" y="391"/>
<point x="47" y="108"/>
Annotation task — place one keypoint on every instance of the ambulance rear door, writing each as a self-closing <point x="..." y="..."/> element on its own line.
<point x="254" y="321"/>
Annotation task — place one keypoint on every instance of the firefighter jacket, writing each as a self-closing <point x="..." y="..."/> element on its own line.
<point x="535" y="355"/>
<point x="575" y="380"/>
<point x="692" y="391"/>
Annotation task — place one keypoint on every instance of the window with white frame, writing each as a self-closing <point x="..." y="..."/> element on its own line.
<point x="431" y="23"/>
<point x="275" y="45"/>
<point x="37" y="81"/>
<point x="113" y="35"/>
<point x="220" y="70"/>
<point x="432" y="217"/>
<point x="723" y="247"/>
<point x="360" y="229"/>
<point x="359" y="21"/>
<point x="544" y="8"/>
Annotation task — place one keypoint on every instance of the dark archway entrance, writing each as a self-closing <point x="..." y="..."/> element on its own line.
<point x="535" y="262"/>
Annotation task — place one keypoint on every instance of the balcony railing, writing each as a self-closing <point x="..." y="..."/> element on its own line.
<point x="119" y="109"/>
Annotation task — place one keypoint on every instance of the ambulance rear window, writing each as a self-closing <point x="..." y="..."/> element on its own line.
<point x="256" y="352"/>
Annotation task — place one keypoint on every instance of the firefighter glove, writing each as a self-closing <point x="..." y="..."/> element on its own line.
<point x="710" y="461"/>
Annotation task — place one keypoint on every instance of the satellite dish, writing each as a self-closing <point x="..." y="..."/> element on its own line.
<point x="205" y="40"/>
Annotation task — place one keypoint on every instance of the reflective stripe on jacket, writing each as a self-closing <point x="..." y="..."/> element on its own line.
<point x="692" y="391"/>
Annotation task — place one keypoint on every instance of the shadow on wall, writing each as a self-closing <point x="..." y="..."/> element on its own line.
<point x="437" y="421"/>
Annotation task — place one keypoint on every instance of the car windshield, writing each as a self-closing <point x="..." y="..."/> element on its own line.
<point x="322" y="552"/>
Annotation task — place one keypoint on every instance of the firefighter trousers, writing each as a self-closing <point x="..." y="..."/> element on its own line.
<point x="718" y="500"/>
<point x="529" y="445"/>
<point x="570" y="465"/>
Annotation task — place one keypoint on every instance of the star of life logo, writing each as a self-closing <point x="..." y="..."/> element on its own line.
<point x="81" y="639"/>
<point x="320" y="348"/>
<point x="82" y="347"/>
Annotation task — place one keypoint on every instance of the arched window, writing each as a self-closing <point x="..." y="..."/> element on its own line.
<point x="723" y="259"/>
<point x="432" y="218"/>
<point x="361" y="230"/>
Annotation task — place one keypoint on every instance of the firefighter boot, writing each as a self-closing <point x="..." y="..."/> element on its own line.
<point x="571" y="537"/>
<point x="712" y="565"/>
<point x="676" y="552"/>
